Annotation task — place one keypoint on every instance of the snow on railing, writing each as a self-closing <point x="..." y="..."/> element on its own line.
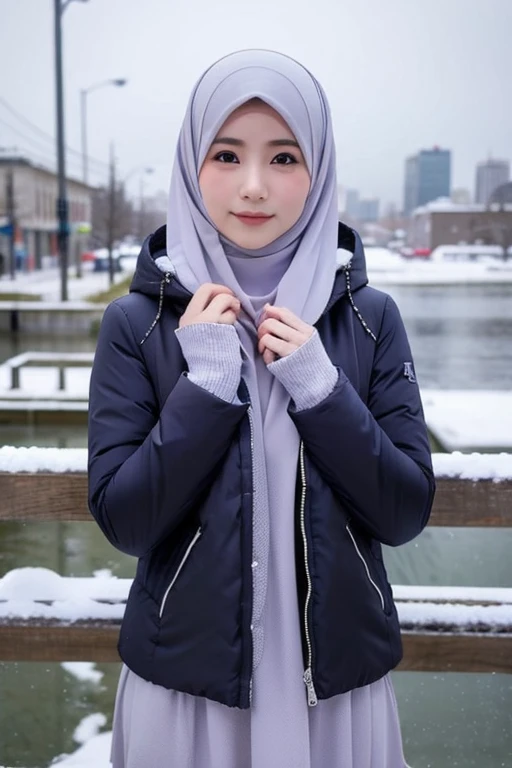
<point x="35" y="459"/>
<point x="40" y="593"/>
<point x="473" y="466"/>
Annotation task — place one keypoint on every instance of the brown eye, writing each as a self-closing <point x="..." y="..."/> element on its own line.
<point x="284" y="158"/>
<point x="226" y="157"/>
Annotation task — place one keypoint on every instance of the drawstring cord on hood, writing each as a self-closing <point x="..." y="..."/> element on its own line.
<point x="166" y="279"/>
<point x="346" y="270"/>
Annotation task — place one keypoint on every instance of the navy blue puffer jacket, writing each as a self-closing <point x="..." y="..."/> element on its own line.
<point x="170" y="482"/>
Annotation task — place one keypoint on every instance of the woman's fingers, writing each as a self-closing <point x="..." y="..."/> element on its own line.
<point x="279" y="347"/>
<point x="287" y="317"/>
<point x="223" y="308"/>
<point x="202" y="300"/>
<point x="268" y="356"/>
<point x="204" y="295"/>
<point x="281" y="330"/>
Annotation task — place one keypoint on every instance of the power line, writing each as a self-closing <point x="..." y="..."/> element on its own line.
<point x="47" y="136"/>
<point x="37" y="151"/>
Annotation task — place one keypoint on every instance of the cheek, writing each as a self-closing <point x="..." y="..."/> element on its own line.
<point x="214" y="186"/>
<point x="295" y="192"/>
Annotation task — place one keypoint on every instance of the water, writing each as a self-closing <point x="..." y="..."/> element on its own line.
<point x="460" y="338"/>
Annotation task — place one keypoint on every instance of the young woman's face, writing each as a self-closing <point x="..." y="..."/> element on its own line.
<point x="254" y="180"/>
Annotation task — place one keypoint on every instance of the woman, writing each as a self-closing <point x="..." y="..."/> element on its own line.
<point x="254" y="437"/>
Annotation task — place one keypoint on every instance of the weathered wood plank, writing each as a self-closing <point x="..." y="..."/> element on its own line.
<point x="43" y="497"/>
<point x="51" y="641"/>
<point x="50" y="496"/>
<point x="464" y="503"/>
<point x="97" y="641"/>
<point x="471" y="652"/>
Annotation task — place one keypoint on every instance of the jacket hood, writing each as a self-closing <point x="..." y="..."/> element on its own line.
<point x="151" y="281"/>
<point x="148" y="276"/>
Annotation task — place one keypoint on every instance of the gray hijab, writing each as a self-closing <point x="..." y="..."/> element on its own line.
<point x="296" y="271"/>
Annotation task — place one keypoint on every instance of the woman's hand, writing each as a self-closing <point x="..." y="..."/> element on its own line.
<point x="211" y="303"/>
<point x="280" y="333"/>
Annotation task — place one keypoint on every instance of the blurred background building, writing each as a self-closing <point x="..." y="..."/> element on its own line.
<point x="28" y="221"/>
<point x="445" y="223"/>
<point x="490" y="175"/>
<point x="427" y="177"/>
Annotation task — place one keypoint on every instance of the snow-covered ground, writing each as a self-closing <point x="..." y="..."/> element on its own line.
<point x="476" y="420"/>
<point x="46" y="283"/>
<point x="94" y="751"/>
<point x="387" y="268"/>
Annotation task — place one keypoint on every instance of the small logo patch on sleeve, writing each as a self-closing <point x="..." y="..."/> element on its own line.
<point x="409" y="372"/>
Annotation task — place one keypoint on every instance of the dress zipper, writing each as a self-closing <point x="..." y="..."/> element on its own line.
<point x="308" y="674"/>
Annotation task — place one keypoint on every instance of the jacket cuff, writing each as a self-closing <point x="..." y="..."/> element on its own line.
<point x="212" y="354"/>
<point x="308" y="374"/>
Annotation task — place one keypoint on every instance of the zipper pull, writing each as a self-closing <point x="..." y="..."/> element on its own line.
<point x="308" y="679"/>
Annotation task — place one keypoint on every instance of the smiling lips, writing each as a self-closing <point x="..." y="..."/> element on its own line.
<point x="252" y="219"/>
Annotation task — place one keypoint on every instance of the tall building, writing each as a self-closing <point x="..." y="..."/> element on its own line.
<point x="369" y="209"/>
<point x="427" y="177"/>
<point x="490" y="175"/>
<point x="352" y="203"/>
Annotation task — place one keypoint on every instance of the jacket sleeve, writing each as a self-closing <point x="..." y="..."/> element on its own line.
<point x="147" y="468"/>
<point x="376" y="457"/>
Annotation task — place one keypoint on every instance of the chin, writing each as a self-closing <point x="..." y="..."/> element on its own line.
<point x="251" y="241"/>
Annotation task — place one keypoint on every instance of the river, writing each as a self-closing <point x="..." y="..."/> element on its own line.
<point x="461" y="338"/>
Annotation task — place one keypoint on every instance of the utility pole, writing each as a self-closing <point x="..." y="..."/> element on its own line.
<point x="62" y="202"/>
<point x="112" y="213"/>
<point x="83" y="118"/>
<point x="11" y="216"/>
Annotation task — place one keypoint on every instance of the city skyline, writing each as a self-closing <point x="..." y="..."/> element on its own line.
<point x="391" y="91"/>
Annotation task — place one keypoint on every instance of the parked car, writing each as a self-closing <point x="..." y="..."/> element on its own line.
<point x="101" y="260"/>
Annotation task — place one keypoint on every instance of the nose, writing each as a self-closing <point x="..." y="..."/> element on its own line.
<point x="253" y="186"/>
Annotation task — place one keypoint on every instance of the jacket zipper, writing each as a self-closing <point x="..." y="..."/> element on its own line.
<point x="308" y="674"/>
<point x="372" y="582"/>
<point x="180" y="566"/>
<point x="251" y="429"/>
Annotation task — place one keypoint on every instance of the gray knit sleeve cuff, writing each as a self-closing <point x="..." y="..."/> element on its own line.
<point x="212" y="354"/>
<point x="308" y="374"/>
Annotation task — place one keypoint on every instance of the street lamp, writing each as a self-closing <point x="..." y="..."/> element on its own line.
<point x="62" y="202"/>
<point x="117" y="82"/>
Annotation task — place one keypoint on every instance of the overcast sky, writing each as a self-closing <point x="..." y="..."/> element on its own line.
<point x="400" y="75"/>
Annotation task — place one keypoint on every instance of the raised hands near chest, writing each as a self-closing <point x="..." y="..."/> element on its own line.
<point x="211" y="303"/>
<point x="280" y="333"/>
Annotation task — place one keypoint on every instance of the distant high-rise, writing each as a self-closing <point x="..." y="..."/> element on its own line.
<point x="490" y="175"/>
<point x="352" y="203"/>
<point x="369" y="210"/>
<point x="427" y="177"/>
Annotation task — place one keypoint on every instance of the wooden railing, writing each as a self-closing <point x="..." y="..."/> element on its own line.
<point x="431" y="643"/>
<point x="58" y="360"/>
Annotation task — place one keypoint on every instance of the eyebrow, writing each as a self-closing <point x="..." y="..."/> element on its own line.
<point x="239" y="143"/>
